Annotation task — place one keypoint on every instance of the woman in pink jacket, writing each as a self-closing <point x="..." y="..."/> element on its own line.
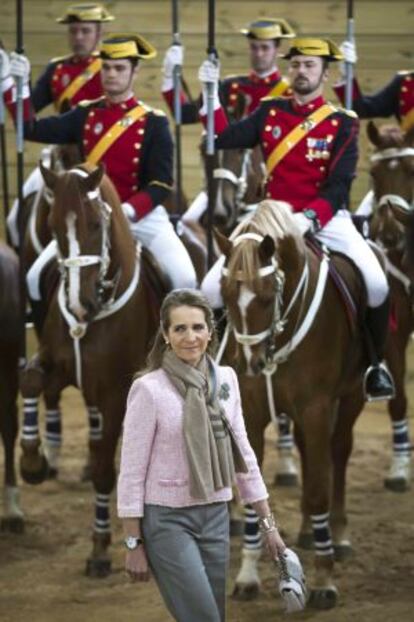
<point x="184" y="445"/>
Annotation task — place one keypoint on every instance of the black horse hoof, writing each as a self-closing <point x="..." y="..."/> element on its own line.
<point x="12" y="524"/>
<point x="236" y="527"/>
<point x="342" y="552"/>
<point x="397" y="484"/>
<point x="246" y="592"/>
<point x="98" y="568"/>
<point x="305" y="541"/>
<point x="286" y="480"/>
<point x="34" y="477"/>
<point x="325" y="598"/>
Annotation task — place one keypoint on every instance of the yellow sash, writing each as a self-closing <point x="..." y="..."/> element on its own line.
<point x="407" y="120"/>
<point x="114" y="132"/>
<point x="79" y="81"/>
<point x="297" y="134"/>
<point x="279" y="88"/>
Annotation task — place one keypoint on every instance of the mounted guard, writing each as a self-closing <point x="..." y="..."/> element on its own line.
<point x="310" y="149"/>
<point x="132" y="140"/>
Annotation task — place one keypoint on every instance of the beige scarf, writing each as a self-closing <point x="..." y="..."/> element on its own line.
<point x="212" y="450"/>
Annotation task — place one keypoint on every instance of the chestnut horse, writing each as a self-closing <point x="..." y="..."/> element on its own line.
<point x="392" y="173"/>
<point x="13" y="519"/>
<point x="291" y="336"/>
<point x="97" y="331"/>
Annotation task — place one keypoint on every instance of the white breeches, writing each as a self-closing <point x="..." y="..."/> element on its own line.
<point x="366" y="206"/>
<point x="340" y="235"/>
<point x="196" y="209"/>
<point x="156" y="233"/>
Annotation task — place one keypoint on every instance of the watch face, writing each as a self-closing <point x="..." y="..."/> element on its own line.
<point x="132" y="543"/>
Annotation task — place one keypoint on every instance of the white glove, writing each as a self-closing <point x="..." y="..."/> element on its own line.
<point x="129" y="212"/>
<point x="20" y="67"/>
<point x="348" y="49"/>
<point x="4" y="65"/>
<point x="6" y="80"/>
<point x="292" y="583"/>
<point x="173" y="56"/>
<point x="303" y="223"/>
<point x="209" y="73"/>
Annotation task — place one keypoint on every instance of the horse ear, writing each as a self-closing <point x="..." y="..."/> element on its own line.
<point x="48" y="175"/>
<point x="267" y="248"/>
<point x="224" y="244"/>
<point x="94" y="179"/>
<point x="373" y="133"/>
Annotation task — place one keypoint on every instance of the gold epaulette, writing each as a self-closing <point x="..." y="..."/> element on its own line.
<point x="88" y="102"/>
<point x="158" y="112"/>
<point x="59" y="59"/>
<point x="236" y="75"/>
<point x="347" y="111"/>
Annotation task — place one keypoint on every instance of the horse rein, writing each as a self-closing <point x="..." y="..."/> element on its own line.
<point x="279" y="320"/>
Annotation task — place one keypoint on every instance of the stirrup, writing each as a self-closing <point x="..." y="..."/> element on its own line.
<point x="383" y="393"/>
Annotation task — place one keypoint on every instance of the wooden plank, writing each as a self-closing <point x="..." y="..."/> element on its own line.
<point x="376" y="18"/>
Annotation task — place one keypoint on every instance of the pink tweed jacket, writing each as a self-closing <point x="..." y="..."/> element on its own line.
<point x="154" y="468"/>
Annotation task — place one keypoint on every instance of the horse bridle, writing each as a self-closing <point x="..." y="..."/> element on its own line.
<point x="395" y="199"/>
<point x="66" y="264"/>
<point x="240" y="182"/>
<point x="394" y="153"/>
<point x="279" y="320"/>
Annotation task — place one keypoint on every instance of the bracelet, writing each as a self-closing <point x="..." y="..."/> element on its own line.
<point x="267" y="523"/>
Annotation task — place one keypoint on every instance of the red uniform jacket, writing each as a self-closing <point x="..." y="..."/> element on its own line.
<point x="139" y="163"/>
<point x="317" y="173"/>
<point x="61" y="72"/>
<point x="251" y="86"/>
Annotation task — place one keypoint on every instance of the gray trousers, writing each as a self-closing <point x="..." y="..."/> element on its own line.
<point x="188" y="552"/>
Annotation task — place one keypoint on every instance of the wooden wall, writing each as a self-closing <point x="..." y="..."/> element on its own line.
<point x="384" y="34"/>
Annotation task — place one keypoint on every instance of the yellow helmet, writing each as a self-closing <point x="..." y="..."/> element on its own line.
<point x="85" y="13"/>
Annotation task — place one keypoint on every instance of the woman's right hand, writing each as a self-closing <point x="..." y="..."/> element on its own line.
<point x="136" y="565"/>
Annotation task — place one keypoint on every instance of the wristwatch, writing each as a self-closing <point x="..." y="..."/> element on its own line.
<point x="132" y="542"/>
<point x="313" y="217"/>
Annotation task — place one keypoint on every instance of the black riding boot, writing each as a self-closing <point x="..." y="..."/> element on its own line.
<point x="378" y="382"/>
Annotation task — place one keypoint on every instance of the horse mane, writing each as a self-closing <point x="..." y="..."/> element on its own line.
<point x="272" y="218"/>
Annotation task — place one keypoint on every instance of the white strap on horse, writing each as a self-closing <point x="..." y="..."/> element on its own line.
<point x="282" y="354"/>
<point x="395" y="199"/>
<point x="392" y="153"/>
<point x="77" y="329"/>
<point x="390" y="268"/>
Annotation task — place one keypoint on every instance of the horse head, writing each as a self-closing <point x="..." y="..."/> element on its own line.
<point x="237" y="175"/>
<point x="80" y="221"/>
<point x="392" y="173"/>
<point x="264" y="259"/>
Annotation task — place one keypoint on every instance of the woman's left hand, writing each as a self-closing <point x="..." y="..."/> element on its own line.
<point x="274" y="543"/>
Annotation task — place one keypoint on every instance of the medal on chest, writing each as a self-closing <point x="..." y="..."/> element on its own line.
<point x="317" y="148"/>
<point x="65" y="80"/>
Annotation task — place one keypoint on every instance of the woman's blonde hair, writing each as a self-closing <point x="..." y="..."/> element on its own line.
<point x="178" y="298"/>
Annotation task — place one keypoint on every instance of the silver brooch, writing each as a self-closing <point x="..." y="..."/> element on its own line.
<point x="98" y="128"/>
<point x="224" y="392"/>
